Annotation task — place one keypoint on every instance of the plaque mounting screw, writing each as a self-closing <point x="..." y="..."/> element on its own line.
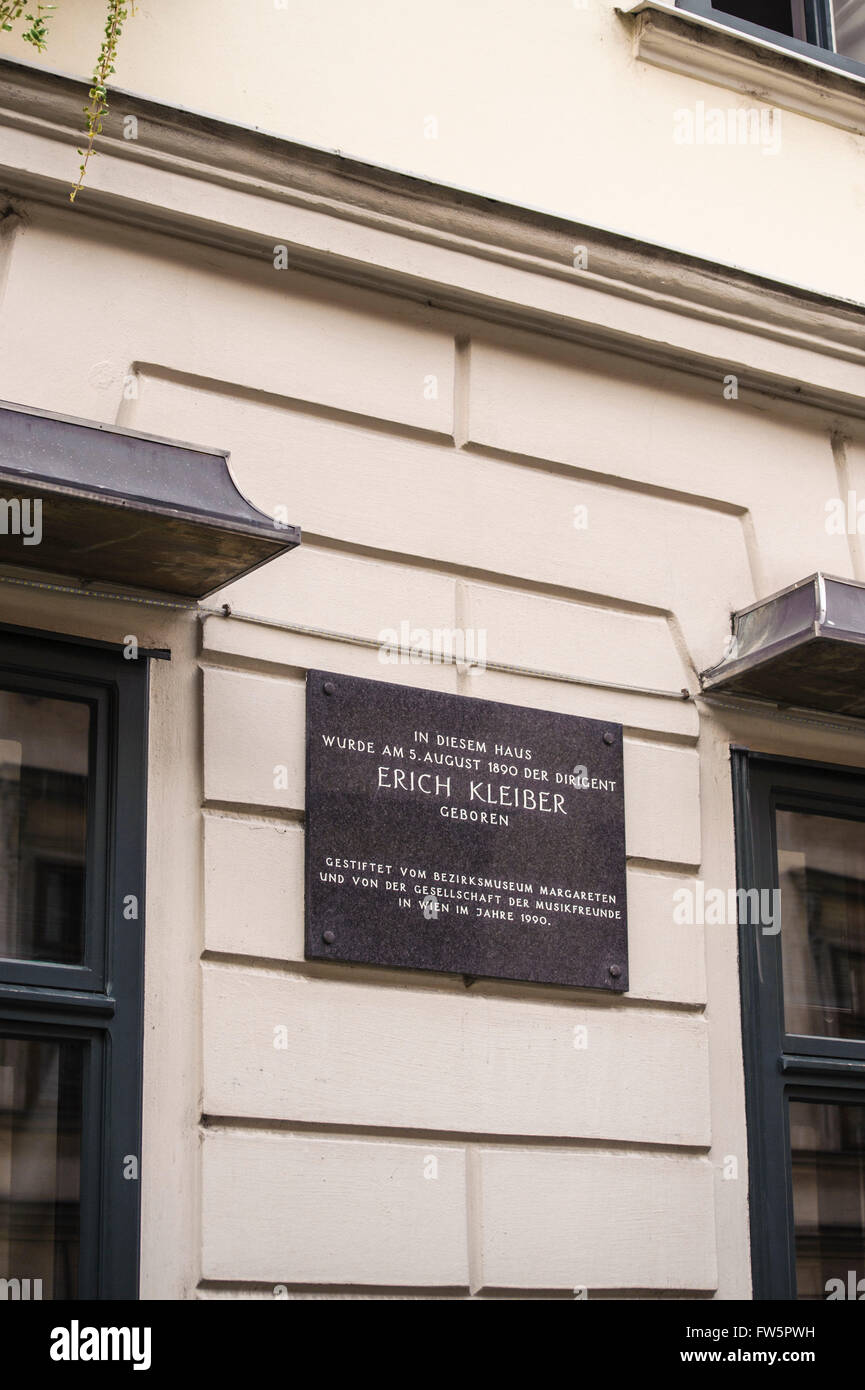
<point x="328" y="937"/>
<point x="608" y="737"/>
<point x="615" y="971"/>
<point x="328" y="687"/>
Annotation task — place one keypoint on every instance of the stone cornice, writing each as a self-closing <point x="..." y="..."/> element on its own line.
<point x="192" y="176"/>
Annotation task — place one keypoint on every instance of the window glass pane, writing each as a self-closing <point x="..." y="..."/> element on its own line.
<point x="821" y="874"/>
<point x="850" y="28"/>
<point x="40" y="1142"/>
<point x="828" y="1144"/>
<point x="771" y="14"/>
<point x="44" y="766"/>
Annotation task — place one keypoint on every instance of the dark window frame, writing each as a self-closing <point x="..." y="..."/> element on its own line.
<point x="781" y="1067"/>
<point x="818" y="19"/>
<point x="99" y="1004"/>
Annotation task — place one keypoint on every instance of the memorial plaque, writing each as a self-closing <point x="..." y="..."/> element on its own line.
<point x="455" y="834"/>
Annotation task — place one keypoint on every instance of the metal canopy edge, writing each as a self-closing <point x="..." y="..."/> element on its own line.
<point x="126" y="508"/>
<point x="803" y="646"/>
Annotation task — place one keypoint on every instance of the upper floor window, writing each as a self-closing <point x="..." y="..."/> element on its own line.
<point x="831" y="30"/>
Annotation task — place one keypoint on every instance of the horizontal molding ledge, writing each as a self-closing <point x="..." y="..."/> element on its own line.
<point x="212" y="1124"/>
<point x="243" y="192"/>
<point x="490" y="308"/>
<point x="251" y="1288"/>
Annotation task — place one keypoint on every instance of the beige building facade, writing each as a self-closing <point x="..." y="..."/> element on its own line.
<point x="578" y="445"/>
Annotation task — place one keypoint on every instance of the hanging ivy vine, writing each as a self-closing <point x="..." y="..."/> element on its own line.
<point x="34" y="29"/>
<point x="12" y="11"/>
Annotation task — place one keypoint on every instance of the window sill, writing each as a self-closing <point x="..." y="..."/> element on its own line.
<point x="702" y="48"/>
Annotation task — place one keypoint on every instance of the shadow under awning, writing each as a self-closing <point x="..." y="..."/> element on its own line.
<point x="125" y="509"/>
<point x="803" y="646"/>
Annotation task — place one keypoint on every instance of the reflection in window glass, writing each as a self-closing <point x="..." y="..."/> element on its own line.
<point x="850" y="28"/>
<point x="40" y="1143"/>
<point x="43" y="827"/>
<point x="821" y="874"/>
<point x="828" y="1148"/>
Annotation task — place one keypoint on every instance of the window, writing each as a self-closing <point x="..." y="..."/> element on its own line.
<point x="72" y="786"/>
<point x="830" y="30"/>
<point x="800" y="833"/>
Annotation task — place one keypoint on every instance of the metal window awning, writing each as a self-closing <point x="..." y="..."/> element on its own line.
<point x="803" y="646"/>
<point x="125" y="509"/>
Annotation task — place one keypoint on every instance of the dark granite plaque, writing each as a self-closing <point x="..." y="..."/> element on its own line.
<point x="455" y="834"/>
